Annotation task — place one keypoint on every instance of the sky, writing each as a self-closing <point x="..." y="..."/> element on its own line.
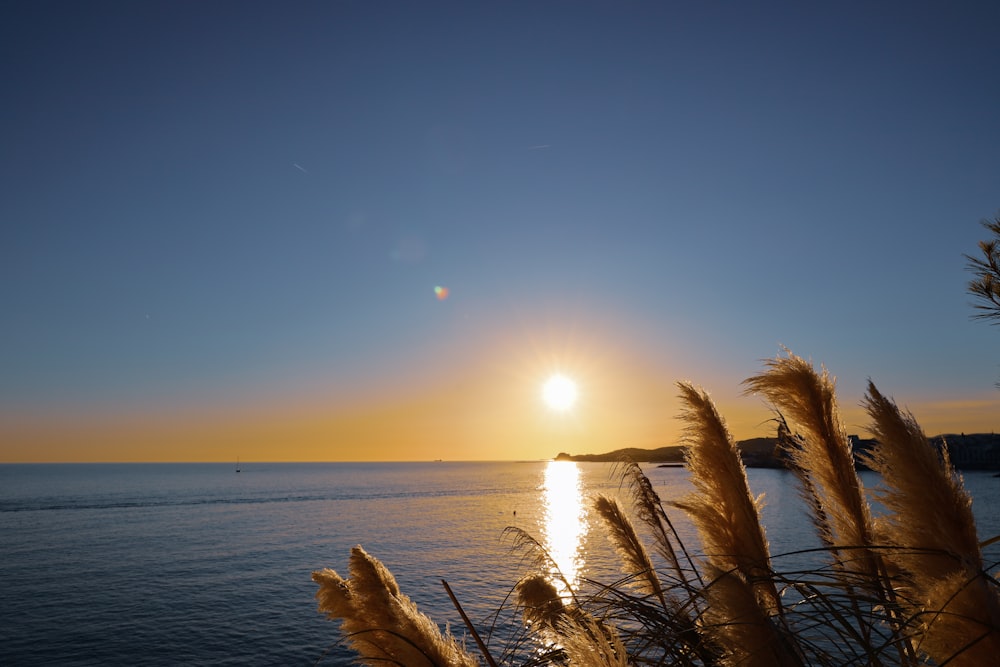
<point x="224" y="223"/>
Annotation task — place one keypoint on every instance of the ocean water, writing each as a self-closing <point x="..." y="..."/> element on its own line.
<point x="165" y="564"/>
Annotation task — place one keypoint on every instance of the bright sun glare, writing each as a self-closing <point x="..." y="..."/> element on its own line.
<point x="559" y="393"/>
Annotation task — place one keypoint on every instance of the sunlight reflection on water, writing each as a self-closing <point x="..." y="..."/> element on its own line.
<point x="565" y="523"/>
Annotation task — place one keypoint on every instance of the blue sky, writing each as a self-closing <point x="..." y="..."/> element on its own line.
<point x="237" y="203"/>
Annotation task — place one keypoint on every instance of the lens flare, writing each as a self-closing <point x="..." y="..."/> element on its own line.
<point x="441" y="292"/>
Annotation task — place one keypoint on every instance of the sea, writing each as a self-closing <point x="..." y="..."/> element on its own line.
<point x="198" y="564"/>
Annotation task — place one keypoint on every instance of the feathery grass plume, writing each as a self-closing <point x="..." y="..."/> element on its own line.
<point x="649" y="509"/>
<point x="635" y="558"/>
<point x="538" y="557"/>
<point x="736" y="623"/>
<point x="722" y="507"/>
<point x="570" y="631"/>
<point x="540" y="601"/>
<point x="808" y="400"/>
<point x="380" y="623"/>
<point x="589" y="643"/>
<point x="929" y="510"/>
<point x="788" y="445"/>
<point x="824" y="461"/>
<point x="930" y="522"/>
<point x="961" y="621"/>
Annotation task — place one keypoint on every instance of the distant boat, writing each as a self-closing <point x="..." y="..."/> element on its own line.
<point x="237" y="464"/>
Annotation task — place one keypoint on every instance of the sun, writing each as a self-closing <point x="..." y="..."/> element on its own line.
<point x="559" y="392"/>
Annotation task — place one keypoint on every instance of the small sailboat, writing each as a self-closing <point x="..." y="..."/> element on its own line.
<point x="237" y="464"/>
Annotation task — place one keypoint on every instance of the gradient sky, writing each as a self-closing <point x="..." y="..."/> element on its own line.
<point x="223" y="222"/>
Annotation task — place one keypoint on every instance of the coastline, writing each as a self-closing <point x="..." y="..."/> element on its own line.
<point x="972" y="451"/>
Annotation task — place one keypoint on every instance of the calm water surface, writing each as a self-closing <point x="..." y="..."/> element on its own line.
<point x="192" y="563"/>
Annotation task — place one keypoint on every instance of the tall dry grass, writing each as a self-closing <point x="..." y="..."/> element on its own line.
<point x="930" y="526"/>
<point x="380" y="623"/>
<point x="907" y="587"/>
<point x="742" y="614"/>
<point x="823" y="457"/>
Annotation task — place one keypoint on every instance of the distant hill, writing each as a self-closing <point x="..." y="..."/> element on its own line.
<point x="975" y="451"/>
<point x="760" y="450"/>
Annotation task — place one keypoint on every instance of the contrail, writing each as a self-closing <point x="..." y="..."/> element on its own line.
<point x="539" y="147"/>
<point x="296" y="165"/>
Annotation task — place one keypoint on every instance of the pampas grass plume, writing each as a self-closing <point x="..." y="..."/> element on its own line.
<point x="635" y="558"/>
<point x="722" y="508"/>
<point x="381" y="624"/>
<point x="929" y="509"/>
<point x="588" y="643"/>
<point x="931" y="525"/>
<point x="735" y="622"/>
<point x="649" y="509"/>
<point x="808" y="400"/>
<point x="539" y="601"/>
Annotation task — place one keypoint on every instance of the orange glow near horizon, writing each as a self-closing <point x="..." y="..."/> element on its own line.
<point x="465" y="423"/>
<point x="491" y="411"/>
